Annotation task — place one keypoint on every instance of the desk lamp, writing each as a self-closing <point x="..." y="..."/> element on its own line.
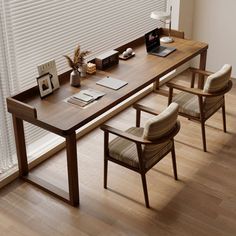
<point x="164" y="17"/>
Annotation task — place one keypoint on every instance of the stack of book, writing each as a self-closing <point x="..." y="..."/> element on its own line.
<point x="91" y="68"/>
<point x="85" y="97"/>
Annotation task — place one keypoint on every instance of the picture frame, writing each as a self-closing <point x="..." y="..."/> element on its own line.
<point x="50" y="67"/>
<point x="45" y="84"/>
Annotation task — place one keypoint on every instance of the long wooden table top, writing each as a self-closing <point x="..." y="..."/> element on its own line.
<point x="54" y="114"/>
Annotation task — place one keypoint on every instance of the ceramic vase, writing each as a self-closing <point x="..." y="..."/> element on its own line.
<point x="75" y="78"/>
<point x="83" y="70"/>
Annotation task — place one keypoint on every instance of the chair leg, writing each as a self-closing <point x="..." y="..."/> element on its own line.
<point x="193" y="80"/>
<point x="145" y="190"/>
<point x="138" y="118"/>
<point x="105" y="172"/>
<point x="203" y="136"/>
<point x="106" y="151"/>
<point x="174" y="162"/>
<point x="170" y="95"/>
<point x="224" y="118"/>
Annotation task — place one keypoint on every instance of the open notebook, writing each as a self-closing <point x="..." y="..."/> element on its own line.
<point x="85" y="97"/>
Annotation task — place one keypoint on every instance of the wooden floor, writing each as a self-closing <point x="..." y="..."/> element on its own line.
<point x="202" y="202"/>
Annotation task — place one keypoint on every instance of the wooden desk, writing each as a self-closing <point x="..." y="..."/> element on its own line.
<point x="59" y="117"/>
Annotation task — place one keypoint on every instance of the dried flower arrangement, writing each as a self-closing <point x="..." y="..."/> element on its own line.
<point x="78" y="59"/>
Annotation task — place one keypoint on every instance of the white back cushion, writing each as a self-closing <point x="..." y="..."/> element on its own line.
<point x="218" y="80"/>
<point x="161" y="124"/>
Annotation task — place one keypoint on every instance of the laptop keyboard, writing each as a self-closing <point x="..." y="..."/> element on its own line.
<point x="159" y="49"/>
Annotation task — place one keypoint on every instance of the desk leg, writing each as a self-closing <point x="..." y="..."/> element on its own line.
<point x="202" y="66"/>
<point x="72" y="169"/>
<point x="20" y="146"/>
<point x="156" y="86"/>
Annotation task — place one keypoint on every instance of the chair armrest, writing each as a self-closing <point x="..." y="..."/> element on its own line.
<point x="199" y="92"/>
<point x="195" y="91"/>
<point x="198" y="71"/>
<point x="125" y="135"/>
<point x="145" y="109"/>
<point x="141" y="140"/>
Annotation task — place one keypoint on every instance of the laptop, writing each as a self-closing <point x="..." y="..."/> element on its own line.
<point x="152" y="40"/>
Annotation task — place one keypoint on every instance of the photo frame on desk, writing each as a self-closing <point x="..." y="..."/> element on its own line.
<point x="44" y="85"/>
<point x="50" y="67"/>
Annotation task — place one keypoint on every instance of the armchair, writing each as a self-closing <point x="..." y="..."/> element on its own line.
<point x="200" y="104"/>
<point x="139" y="149"/>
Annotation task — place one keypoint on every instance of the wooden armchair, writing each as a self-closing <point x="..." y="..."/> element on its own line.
<point x="201" y="104"/>
<point x="139" y="149"/>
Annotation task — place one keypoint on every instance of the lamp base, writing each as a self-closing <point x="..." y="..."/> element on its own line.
<point x="166" y="40"/>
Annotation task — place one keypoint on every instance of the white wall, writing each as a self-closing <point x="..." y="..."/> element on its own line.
<point x="175" y="13"/>
<point x="182" y="15"/>
<point x="186" y="17"/>
<point x="182" y="10"/>
<point x="214" y="22"/>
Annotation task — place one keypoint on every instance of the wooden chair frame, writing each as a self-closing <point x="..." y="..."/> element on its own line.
<point x="141" y="169"/>
<point x="199" y="92"/>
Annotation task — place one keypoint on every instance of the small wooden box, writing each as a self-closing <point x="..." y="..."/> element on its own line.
<point x="107" y="59"/>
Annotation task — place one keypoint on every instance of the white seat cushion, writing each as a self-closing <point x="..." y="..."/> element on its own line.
<point x="188" y="104"/>
<point x="126" y="151"/>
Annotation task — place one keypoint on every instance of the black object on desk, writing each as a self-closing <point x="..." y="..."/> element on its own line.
<point x="152" y="40"/>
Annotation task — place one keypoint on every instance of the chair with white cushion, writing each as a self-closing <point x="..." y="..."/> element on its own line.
<point x="200" y="104"/>
<point x="139" y="149"/>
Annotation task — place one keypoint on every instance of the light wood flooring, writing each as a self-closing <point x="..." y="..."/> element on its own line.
<point x="201" y="203"/>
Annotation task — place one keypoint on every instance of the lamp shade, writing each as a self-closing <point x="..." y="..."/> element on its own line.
<point x="160" y="15"/>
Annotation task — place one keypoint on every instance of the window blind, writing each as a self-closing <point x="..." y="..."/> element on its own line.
<point x="7" y="147"/>
<point x="42" y="30"/>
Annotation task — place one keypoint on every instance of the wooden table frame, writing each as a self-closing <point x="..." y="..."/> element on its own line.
<point x="139" y="72"/>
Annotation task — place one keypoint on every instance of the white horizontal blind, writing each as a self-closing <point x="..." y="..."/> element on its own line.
<point x="44" y="30"/>
<point x="41" y="30"/>
<point x="7" y="147"/>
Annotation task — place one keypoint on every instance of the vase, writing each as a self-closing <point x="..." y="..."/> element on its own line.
<point x="75" y="78"/>
<point x="83" y="70"/>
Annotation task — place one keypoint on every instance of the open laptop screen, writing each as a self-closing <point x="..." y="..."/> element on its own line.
<point x="152" y="39"/>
